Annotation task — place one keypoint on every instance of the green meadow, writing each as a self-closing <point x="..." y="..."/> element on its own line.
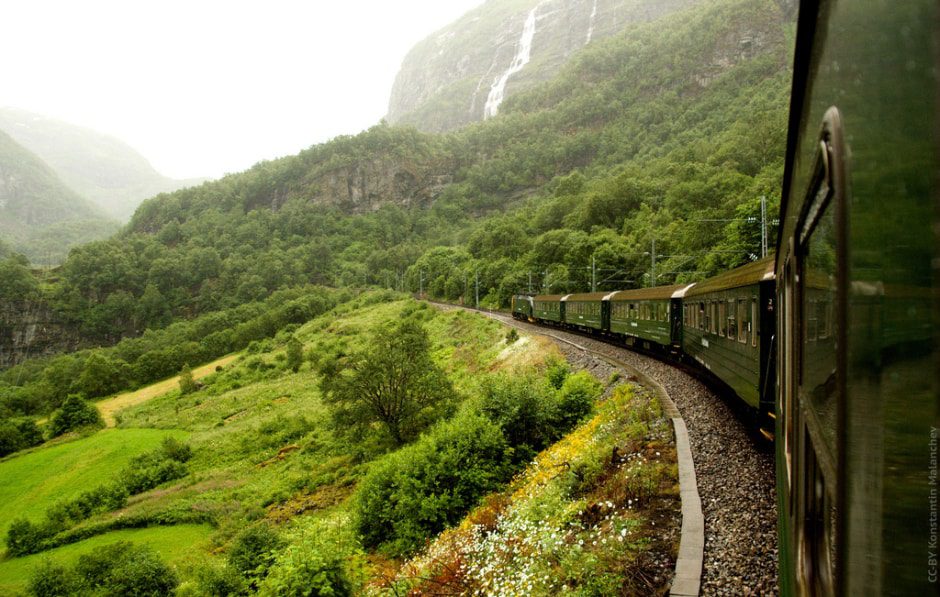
<point x="33" y="481"/>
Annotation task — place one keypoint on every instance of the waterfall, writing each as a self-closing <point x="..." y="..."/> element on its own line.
<point x="523" y="51"/>
<point x="591" y="24"/>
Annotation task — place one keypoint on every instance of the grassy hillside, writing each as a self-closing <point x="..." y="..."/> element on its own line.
<point x="34" y="481"/>
<point x="270" y="464"/>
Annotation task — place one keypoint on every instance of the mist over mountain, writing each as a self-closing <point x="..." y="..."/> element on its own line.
<point x="40" y="216"/>
<point x="462" y="73"/>
<point x="101" y="168"/>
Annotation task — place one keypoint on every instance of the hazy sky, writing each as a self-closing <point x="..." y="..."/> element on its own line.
<point x="205" y="87"/>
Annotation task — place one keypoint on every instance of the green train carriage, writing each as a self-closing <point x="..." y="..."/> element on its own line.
<point x="586" y="311"/>
<point x="857" y="268"/>
<point x="728" y="326"/>
<point x="643" y="317"/>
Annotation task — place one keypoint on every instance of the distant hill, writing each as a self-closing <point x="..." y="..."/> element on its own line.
<point x="102" y="168"/>
<point x="461" y="73"/>
<point x="40" y="216"/>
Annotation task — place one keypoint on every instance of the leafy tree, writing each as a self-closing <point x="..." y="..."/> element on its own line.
<point x="75" y="413"/>
<point x="187" y="383"/>
<point x="393" y="382"/>
<point x="102" y="375"/>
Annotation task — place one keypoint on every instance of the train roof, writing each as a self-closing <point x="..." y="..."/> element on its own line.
<point x="548" y="297"/>
<point x="587" y="296"/>
<point x="752" y="273"/>
<point x="642" y="294"/>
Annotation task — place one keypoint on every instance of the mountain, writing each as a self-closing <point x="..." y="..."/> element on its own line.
<point x="461" y="73"/>
<point x="102" y="168"/>
<point x="40" y="215"/>
<point x="668" y="133"/>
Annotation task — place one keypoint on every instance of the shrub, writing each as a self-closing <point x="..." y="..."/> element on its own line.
<point x="512" y="336"/>
<point x="522" y="407"/>
<point x="557" y="372"/>
<point x="50" y="579"/>
<point x="219" y="581"/>
<point x="24" y="537"/>
<point x="295" y="354"/>
<point x="253" y="552"/>
<point x="148" y="475"/>
<point x="176" y="450"/>
<point x="74" y="414"/>
<point x="124" y="568"/>
<point x="187" y="383"/>
<point x="415" y="493"/>
<point x="575" y="400"/>
<point x="17" y="434"/>
<point x="316" y="565"/>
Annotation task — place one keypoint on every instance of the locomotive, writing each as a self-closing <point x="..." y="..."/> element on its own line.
<point x="833" y="342"/>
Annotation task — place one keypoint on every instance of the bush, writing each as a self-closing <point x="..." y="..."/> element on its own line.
<point x="420" y="490"/>
<point x="74" y="414"/>
<point x="253" y="552"/>
<point x="511" y="336"/>
<point x="17" y="434"/>
<point x="176" y="450"/>
<point x="557" y="372"/>
<point x="24" y="537"/>
<point x="575" y="400"/>
<point x="316" y="565"/>
<point x="50" y="579"/>
<point x="522" y="407"/>
<point x="124" y="568"/>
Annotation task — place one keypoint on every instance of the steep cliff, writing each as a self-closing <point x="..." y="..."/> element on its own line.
<point x="462" y="73"/>
<point x="30" y="330"/>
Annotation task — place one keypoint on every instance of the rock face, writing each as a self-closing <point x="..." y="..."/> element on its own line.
<point x="457" y="75"/>
<point x="369" y="184"/>
<point x="32" y="330"/>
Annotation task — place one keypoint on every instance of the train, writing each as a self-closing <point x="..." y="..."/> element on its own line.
<point x="833" y="341"/>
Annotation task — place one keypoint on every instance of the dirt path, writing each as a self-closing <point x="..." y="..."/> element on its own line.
<point x="111" y="406"/>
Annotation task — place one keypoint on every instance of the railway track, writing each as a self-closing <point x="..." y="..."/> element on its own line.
<point x="733" y="473"/>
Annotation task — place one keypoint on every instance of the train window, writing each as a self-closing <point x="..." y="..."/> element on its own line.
<point x="701" y="316"/>
<point x="742" y="321"/>
<point x="708" y="316"/>
<point x="755" y="321"/>
<point x="818" y="366"/>
<point x="732" y="322"/>
<point x="713" y="308"/>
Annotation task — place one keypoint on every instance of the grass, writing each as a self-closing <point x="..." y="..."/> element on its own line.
<point x="34" y="480"/>
<point x="262" y="439"/>
<point x="179" y="545"/>
<point x="111" y="406"/>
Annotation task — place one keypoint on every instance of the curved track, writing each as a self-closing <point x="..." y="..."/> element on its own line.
<point x="734" y="473"/>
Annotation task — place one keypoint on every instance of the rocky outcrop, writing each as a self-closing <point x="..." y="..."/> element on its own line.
<point x="29" y="330"/>
<point x="446" y="80"/>
<point x="368" y="184"/>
